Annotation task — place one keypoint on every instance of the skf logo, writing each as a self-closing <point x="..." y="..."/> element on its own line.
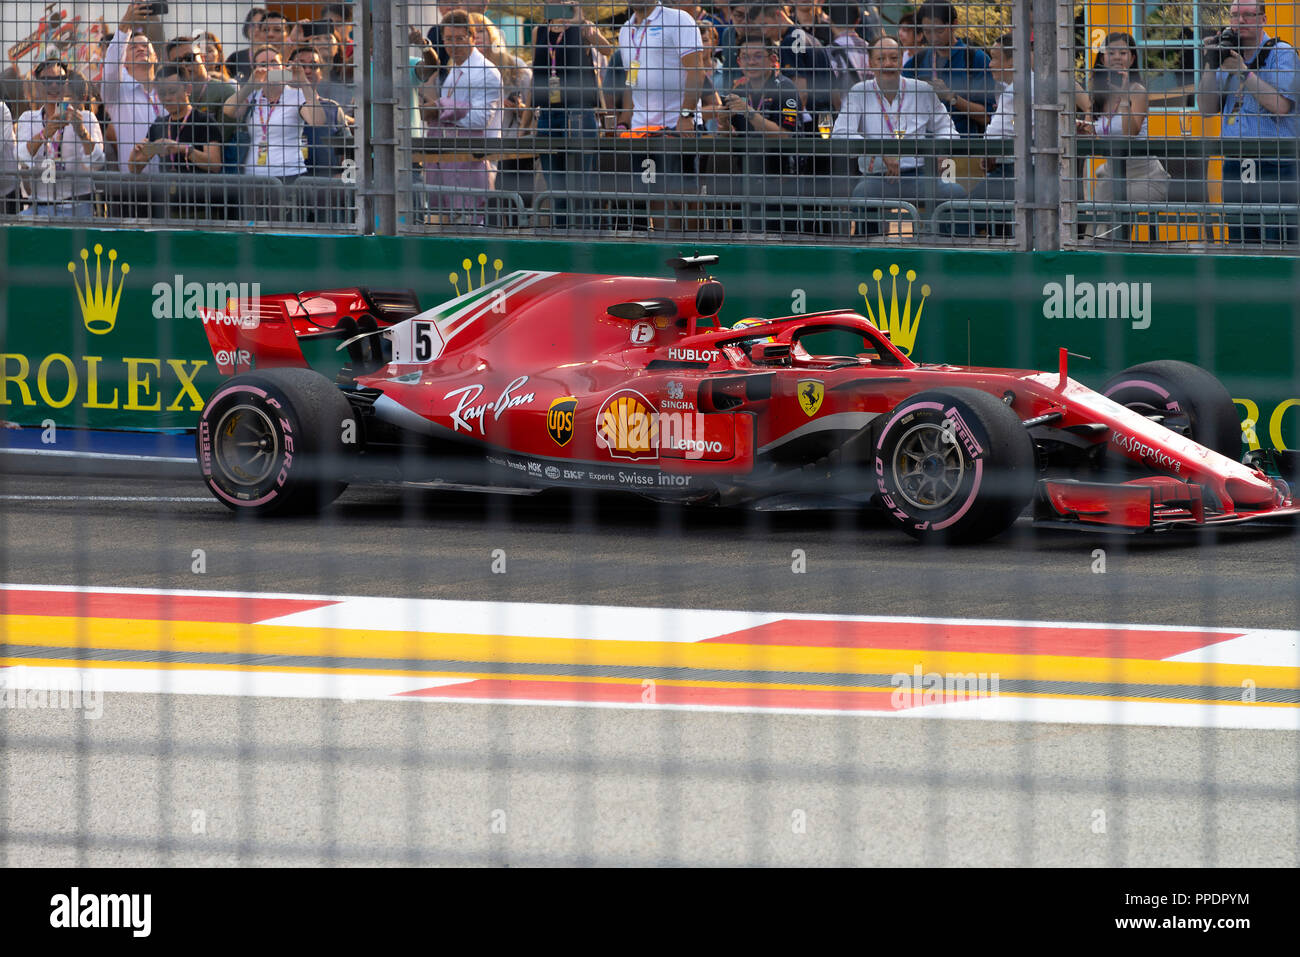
<point x="900" y="326"/>
<point x="99" y="303"/>
<point x="811" y="392"/>
<point x="559" y="420"/>
<point x="627" y="426"/>
<point x="468" y="265"/>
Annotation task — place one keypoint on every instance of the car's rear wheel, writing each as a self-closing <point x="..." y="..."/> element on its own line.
<point x="954" y="465"/>
<point x="276" y="442"/>
<point x="1183" y="398"/>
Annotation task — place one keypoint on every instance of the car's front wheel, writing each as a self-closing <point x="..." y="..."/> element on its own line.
<point x="954" y="465"/>
<point x="1181" y="397"/>
<point x="276" y="442"/>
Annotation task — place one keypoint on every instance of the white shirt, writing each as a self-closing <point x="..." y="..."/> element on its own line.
<point x="1003" y="121"/>
<point x="278" y="128"/>
<point x="63" y="155"/>
<point x="654" y="50"/>
<point x="8" y="152"/>
<point x="475" y="86"/>
<point x="916" y="111"/>
<point x="131" y="107"/>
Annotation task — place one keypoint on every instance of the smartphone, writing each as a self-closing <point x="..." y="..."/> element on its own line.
<point x="557" y="11"/>
<point x="157" y="10"/>
<point x="279" y="74"/>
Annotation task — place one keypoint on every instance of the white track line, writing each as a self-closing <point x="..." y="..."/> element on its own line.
<point x="108" y="498"/>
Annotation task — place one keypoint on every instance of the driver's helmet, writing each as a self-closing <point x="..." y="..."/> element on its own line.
<point x="746" y="323"/>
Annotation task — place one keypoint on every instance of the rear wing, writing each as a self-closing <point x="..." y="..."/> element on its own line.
<point x="266" y="331"/>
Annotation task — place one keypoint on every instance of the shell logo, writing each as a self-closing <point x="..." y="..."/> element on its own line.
<point x="627" y="426"/>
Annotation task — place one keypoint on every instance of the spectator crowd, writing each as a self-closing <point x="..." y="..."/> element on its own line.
<point x="767" y="75"/>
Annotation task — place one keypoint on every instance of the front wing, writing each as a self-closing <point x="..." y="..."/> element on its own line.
<point x="1146" y="504"/>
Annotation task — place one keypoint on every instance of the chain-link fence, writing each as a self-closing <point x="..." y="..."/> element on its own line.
<point x="1159" y="127"/>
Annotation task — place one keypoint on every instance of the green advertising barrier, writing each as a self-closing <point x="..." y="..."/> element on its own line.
<point x="101" y="329"/>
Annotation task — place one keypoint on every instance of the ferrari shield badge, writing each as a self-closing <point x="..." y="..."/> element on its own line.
<point x="811" y="393"/>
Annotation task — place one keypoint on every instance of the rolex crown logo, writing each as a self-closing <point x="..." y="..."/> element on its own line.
<point x="99" y="302"/>
<point x="901" y="327"/>
<point x="468" y="266"/>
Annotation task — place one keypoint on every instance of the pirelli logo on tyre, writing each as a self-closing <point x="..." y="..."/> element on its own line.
<point x="559" y="420"/>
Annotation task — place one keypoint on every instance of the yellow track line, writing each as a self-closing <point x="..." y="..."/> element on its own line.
<point x="634" y="685"/>
<point x="204" y="637"/>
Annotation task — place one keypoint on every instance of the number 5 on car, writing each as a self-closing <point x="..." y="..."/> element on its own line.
<point x="417" y="340"/>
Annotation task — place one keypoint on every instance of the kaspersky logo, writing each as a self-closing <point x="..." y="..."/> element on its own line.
<point x="901" y="326"/>
<point x="468" y="266"/>
<point x="99" y="302"/>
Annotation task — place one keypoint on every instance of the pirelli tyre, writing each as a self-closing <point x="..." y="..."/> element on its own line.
<point x="273" y="442"/>
<point x="954" y="465"/>
<point x="1184" y="398"/>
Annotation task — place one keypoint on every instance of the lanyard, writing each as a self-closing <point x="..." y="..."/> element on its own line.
<point x="550" y="48"/>
<point x="264" y="123"/>
<point x="884" y="110"/>
<point x="645" y="25"/>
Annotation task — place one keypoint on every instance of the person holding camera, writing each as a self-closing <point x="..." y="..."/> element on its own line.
<point x="61" y="138"/>
<point x="185" y="139"/>
<point x="127" y="82"/>
<point x="207" y="93"/>
<point x="1119" y="108"/>
<point x="467" y="103"/>
<point x="277" y="113"/>
<point x="1252" y="81"/>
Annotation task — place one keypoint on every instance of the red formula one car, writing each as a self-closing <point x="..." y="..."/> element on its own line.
<point x="543" y="379"/>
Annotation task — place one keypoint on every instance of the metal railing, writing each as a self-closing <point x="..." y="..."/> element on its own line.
<point x="395" y="176"/>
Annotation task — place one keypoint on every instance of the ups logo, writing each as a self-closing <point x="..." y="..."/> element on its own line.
<point x="559" y="419"/>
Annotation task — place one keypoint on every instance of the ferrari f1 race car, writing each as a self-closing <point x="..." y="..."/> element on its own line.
<point x="543" y="379"/>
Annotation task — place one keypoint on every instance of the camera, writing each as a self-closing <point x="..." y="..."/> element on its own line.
<point x="557" y="11"/>
<point x="1220" y="46"/>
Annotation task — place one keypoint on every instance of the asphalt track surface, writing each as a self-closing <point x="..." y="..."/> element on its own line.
<point x="225" y="780"/>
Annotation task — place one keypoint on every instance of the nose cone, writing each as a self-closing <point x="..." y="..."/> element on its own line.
<point x="1257" y="490"/>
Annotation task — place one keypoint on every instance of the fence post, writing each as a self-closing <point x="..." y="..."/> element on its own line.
<point x="365" y="213"/>
<point x="1022" y="28"/>
<point x="1048" y="48"/>
<point x="383" y="104"/>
